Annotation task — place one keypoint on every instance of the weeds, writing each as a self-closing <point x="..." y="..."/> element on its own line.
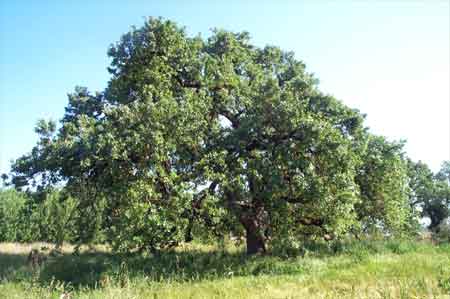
<point x="366" y="269"/>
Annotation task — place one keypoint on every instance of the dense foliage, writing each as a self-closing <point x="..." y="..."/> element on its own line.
<point x="46" y="217"/>
<point x="213" y="136"/>
<point x="430" y="193"/>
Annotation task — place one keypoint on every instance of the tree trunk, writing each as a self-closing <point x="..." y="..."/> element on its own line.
<point x="254" y="219"/>
<point x="255" y="242"/>
<point x="254" y="228"/>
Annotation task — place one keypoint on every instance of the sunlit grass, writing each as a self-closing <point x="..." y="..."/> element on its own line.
<point x="356" y="270"/>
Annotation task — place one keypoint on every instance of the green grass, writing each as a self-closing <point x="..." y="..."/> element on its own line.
<point x="367" y="269"/>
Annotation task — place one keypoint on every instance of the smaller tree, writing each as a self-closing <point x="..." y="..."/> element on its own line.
<point x="430" y="194"/>
<point x="56" y="214"/>
<point x="382" y="180"/>
<point x="12" y="205"/>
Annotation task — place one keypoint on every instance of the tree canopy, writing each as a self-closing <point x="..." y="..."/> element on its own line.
<point x="215" y="135"/>
<point x="430" y="193"/>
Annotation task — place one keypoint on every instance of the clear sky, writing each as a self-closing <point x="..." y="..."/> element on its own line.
<point x="390" y="59"/>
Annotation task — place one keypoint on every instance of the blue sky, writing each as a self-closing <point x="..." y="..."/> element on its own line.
<point x="390" y="59"/>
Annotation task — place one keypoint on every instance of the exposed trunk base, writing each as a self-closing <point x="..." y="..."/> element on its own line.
<point x="255" y="225"/>
<point x="255" y="242"/>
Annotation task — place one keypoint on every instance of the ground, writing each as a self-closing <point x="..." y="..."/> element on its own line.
<point x="382" y="269"/>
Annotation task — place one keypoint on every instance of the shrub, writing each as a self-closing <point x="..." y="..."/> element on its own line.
<point x="442" y="234"/>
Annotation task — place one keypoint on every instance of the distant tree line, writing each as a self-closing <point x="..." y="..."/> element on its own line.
<point x="199" y="137"/>
<point x="33" y="216"/>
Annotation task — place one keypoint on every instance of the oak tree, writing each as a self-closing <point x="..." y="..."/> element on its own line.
<point x="211" y="134"/>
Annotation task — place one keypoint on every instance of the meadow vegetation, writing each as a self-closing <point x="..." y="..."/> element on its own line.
<point x="363" y="269"/>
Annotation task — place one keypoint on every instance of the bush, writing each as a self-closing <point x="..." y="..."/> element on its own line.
<point x="16" y="221"/>
<point x="442" y="234"/>
<point x="37" y="217"/>
<point x="83" y="270"/>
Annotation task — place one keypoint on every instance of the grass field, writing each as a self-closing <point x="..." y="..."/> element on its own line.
<point x="390" y="269"/>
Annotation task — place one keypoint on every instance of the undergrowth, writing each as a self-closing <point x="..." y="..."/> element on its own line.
<point x="378" y="269"/>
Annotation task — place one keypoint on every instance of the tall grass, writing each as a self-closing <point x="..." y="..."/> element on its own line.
<point x="366" y="269"/>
